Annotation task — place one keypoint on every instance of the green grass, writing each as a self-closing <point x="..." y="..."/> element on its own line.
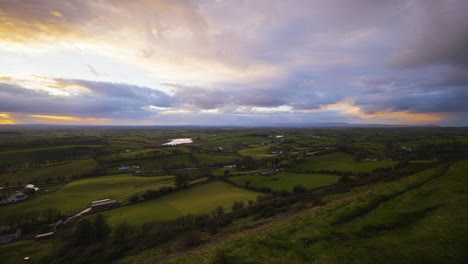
<point x="195" y="200"/>
<point x="341" y="162"/>
<point x="419" y="219"/>
<point x="256" y="153"/>
<point x="15" y="253"/>
<point x="210" y="159"/>
<point x="245" y="139"/>
<point x="41" y="174"/>
<point x="287" y="180"/>
<point x="77" y="195"/>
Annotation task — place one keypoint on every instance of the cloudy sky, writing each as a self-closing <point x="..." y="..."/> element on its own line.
<point x="233" y="62"/>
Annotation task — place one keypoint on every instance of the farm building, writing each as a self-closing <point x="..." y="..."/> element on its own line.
<point x="272" y="172"/>
<point x="31" y="186"/>
<point x="103" y="204"/>
<point x="8" y="235"/>
<point x="124" y="167"/>
<point x="19" y="196"/>
<point x="44" y="236"/>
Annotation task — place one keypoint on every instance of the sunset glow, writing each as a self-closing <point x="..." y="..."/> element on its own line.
<point x="230" y="62"/>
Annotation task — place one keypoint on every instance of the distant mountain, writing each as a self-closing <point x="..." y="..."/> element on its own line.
<point x="292" y="125"/>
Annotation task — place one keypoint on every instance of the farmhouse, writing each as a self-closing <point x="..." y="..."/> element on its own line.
<point x="103" y="204"/>
<point x="32" y="187"/>
<point x="127" y="167"/>
<point x="8" y="235"/>
<point x="124" y="167"/>
<point x="18" y="196"/>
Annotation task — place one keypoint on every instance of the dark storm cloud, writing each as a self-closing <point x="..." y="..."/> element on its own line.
<point x="231" y="96"/>
<point x="437" y="33"/>
<point x="445" y="90"/>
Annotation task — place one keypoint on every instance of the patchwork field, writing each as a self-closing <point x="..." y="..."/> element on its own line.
<point x="196" y="200"/>
<point x="77" y="195"/>
<point x="66" y="170"/>
<point x="256" y="152"/>
<point x="210" y="159"/>
<point x="286" y="180"/>
<point x="341" y="162"/>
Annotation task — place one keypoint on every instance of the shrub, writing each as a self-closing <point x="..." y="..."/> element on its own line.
<point x="190" y="239"/>
<point x="298" y="189"/>
<point x="236" y="206"/>
<point x="133" y="198"/>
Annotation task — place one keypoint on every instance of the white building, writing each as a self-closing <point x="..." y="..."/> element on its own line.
<point x="19" y="196"/>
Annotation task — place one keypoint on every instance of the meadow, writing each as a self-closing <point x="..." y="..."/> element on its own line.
<point x="419" y="219"/>
<point x="77" y="195"/>
<point x="286" y="180"/>
<point x="339" y="161"/>
<point x="256" y="152"/>
<point x="66" y="170"/>
<point x="195" y="200"/>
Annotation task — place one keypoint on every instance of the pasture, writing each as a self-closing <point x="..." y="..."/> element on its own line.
<point x="67" y="170"/>
<point x="339" y="161"/>
<point x="196" y="200"/>
<point x="286" y="180"/>
<point x="419" y="219"/>
<point x="257" y="152"/>
<point x="77" y="195"/>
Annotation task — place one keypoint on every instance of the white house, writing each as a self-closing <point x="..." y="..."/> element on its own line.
<point x="8" y="235"/>
<point x="124" y="167"/>
<point x="19" y="196"/>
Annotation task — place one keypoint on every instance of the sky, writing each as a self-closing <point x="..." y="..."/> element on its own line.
<point x="233" y="62"/>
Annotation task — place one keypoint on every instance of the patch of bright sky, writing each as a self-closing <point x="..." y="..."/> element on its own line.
<point x="76" y="64"/>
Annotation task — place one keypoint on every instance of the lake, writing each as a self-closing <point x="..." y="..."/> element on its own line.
<point x="177" y="141"/>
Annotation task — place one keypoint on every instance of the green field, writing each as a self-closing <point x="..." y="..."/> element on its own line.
<point x="77" y="195"/>
<point x="286" y="180"/>
<point x="196" y="200"/>
<point x="420" y="219"/>
<point x="16" y="252"/>
<point x="66" y="170"/>
<point x="256" y="152"/>
<point x="341" y="162"/>
<point x="210" y="159"/>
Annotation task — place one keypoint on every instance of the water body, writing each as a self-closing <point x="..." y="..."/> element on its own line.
<point x="177" y="141"/>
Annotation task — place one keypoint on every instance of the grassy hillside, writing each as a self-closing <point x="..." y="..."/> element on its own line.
<point x="341" y="162"/>
<point x="196" y="200"/>
<point x="286" y="180"/>
<point x="420" y="219"/>
<point x="77" y="195"/>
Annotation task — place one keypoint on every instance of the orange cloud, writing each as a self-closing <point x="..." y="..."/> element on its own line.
<point x="401" y="116"/>
<point x="71" y="118"/>
<point x="6" y="119"/>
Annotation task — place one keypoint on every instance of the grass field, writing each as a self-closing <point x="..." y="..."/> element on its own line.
<point x="210" y="159"/>
<point x="77" y="195"/>
<point x="419" y="219"/>
<point x="257" y="152"/>
<point x="16" y="252"/>
<point x="196" y="200"/>
<point x="41" y="174"/>
<point x="287" y="180"/>
<point x="341" y="162"/>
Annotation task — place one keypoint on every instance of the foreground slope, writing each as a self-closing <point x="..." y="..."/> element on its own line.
<point x="419" y="219"/>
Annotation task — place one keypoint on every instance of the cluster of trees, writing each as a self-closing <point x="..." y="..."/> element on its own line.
<point x="90" y="231"/>
<point x="151" y="194"/>
<point x="35" y="220"/>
